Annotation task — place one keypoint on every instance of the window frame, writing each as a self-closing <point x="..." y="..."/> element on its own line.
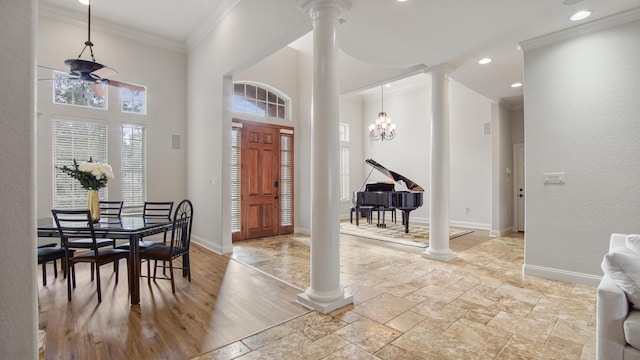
<point x="86" y="88"/>
<point x="130" y="205"/>
<point x="84" y="145"/>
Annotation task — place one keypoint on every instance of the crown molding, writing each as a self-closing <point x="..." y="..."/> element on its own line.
<point x="79" y="19"/>
<point x="583" y="29"/>
<point x="210" y="22"/>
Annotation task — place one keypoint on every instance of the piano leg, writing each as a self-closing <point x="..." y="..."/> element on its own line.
<point x="405" y="219"/>
<point x="357" y="215"/>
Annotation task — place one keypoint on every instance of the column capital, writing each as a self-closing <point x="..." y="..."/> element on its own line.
<point x="313" y="5"/>
<point x="440" y="69"/>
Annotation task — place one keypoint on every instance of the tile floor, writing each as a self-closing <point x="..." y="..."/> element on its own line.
<point x="478" y="306"/>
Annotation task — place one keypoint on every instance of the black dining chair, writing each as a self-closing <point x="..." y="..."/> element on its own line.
<point x="74" y="225"/>
<point x="153" y="211"/>
<point x="51" y="252"/>
<point x="111" y="210"/>
<point x="178" y="246"/>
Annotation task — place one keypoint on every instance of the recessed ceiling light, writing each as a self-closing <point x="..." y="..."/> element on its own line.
<point x="402" y="0"/>
<point x="484" y="61"/>
<point x="387" y="85"/>
<point x="84" y="2"/>
<point x="516" y="85"/>
<point x="580" y="15"/>
<point x="570" y="2"/>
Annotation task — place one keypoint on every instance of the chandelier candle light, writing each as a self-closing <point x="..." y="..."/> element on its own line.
<point x="92" y="176"/>
<point x="383" y="129"/>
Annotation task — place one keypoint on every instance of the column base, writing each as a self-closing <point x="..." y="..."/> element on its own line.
<point x="325" y="306"/>
<point x="448" y="256"/>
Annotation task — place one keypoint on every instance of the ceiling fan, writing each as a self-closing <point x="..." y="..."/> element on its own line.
<point x="91" y="71"/>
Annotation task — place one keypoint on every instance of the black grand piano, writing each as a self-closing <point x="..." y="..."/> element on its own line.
<point x="382" y="195"/>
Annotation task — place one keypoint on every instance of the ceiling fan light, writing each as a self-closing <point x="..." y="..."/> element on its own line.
<point x="84" y="2"/>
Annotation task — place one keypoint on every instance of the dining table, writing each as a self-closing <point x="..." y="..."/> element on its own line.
<point x="132" y="228"/>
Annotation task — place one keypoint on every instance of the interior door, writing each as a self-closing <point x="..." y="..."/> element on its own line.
<point x="519" y="184"/>
<point x="260" y="188"/>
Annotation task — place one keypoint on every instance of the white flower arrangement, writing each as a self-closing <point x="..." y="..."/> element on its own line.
<point x="91" y="175"/>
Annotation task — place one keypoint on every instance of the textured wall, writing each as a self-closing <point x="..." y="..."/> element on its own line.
<point x="18" y="311"/>
<point x="582" y="117"/>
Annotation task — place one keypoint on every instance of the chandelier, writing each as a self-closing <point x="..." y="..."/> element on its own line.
<point x="382" y="129"/>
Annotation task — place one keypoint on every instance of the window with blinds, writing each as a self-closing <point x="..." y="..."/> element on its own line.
<point x="344" y="174"/>
<point x="132" y="179"/>
<point x="286" y="178"/>
<point x="236" y="143"/>
<point x="79" y="139"/>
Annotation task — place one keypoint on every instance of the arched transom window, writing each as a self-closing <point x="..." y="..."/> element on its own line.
<point x="257" y="99"/>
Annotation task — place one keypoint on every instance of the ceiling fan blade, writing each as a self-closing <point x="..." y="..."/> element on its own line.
<point x="125" y="85"/>
<point x="104" y="72"/>
<point x="99" y="88"/>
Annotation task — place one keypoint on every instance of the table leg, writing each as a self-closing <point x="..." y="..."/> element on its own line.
<point x="134" y="269"/>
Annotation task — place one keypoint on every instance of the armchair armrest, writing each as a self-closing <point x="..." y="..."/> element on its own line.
<point x="612" y="310"/>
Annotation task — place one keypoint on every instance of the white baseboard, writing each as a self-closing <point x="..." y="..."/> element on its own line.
<point x="216" y="248"/>
<point x="499" y="233"/>
<point x="470" y="225"/>
<point x="301" y="230"/>
<point x="562" y="275"/>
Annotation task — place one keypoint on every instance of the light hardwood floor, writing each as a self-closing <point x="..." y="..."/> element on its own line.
<point x="225" y="301"/>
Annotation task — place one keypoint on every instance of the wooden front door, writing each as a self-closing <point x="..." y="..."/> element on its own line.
<point x="261" y="171"/>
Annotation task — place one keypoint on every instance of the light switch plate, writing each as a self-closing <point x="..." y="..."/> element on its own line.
<point x="554" y="178"/>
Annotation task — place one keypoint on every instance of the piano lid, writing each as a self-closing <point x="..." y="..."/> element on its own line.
<point x="394" y="175"/>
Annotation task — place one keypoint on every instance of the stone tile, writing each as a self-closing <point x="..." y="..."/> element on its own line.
<point x="384" y="307"/>
<point x="443" y="314"/>
<point x="519" y="348"/>
<point x="478" y="336"/>
<point x="351" y="352"/>
<point x="405" y="321"/>
<point x="551" y="308"/>
<point x="368" y="334"/>
<point x="427" y="342"/>
<point x="230" y="351"/>
<point x="575" y="331"/>
<point x="440" y="294"/>
<point x="533" y="329"/>
<point x="392" y="352"/>
<point x="294" y="346"/>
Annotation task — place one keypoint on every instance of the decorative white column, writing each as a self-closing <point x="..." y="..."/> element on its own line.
<point x="325" y="293"/>
<point x="439" y="203"/>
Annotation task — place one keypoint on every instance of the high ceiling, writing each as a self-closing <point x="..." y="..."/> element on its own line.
<point x="394" y="34"/>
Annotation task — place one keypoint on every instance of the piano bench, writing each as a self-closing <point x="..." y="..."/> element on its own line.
<point x="366" y="211"/>
<point x="385" y="209"/>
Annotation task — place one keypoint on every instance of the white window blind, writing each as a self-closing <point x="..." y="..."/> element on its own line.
<point x="286" y="179"/>
<point x="133" y="182"/>
<point x="78" y="139"/>
<point x="236" y="141"/>
<point x="344" y="174"/>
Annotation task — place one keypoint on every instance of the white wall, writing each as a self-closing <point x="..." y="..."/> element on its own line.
<point x="18" y="298"/>
<point x="581" y="118"/>
<point x="229" y="49"/>
<point x="162" y="71"/>
<point x="351" y="114"/>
